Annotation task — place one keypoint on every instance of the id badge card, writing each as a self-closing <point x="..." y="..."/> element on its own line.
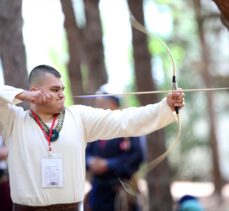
<point x="52" y="171"/>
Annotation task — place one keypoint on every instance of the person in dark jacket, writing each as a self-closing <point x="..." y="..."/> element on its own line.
<point x="109" y="162"/>
<point x="5" y="199"/>
<point x="189" y="203"/>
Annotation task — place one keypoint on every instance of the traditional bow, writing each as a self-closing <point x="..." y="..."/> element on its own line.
<point x="131" y="186"/>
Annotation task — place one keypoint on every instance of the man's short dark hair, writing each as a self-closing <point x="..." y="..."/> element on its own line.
<point x="38" y="71"/>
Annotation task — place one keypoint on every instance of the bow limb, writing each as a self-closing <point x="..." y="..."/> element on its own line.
<point x="130" y="186"/>
<point x="141" y="28"/>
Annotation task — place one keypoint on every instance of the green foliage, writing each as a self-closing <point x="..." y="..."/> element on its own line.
<point x="163" y="1"/>
<point x="84" y="72"/>
<point x="59" y="63"/>
<point x="131" y="100"/>
<point x="193" y="150"/>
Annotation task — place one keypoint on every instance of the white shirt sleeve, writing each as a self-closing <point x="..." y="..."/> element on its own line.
<point x="7" y="113"/>
<point x="107" y="124"/>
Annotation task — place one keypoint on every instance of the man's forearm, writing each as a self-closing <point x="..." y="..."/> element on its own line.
<point x="23" y="96"/>
<point x="8" y="94"/>
<point x="36" y="97"/>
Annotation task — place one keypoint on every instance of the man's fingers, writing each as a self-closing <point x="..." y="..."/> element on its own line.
<point x="40" y="97"/>
<point x="179" y="100"/>
<point x="175" y="99"/>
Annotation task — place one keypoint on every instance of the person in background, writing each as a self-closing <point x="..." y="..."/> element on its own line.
<point x="189" y="203"/>
<point x="110" y="161"/>
<point x="5" y="199"/>
<point x="47" y="143"/>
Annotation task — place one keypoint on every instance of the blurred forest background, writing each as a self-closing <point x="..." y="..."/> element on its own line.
<point x="92" y="43"/>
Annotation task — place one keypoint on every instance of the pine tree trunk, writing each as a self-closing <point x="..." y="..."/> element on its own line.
<point x="75" y="48"/>
<point x="85" y="49"/>
<point x="93" y="46"/>
<point x="217" y="177"/>
<point x="12" y="49"/>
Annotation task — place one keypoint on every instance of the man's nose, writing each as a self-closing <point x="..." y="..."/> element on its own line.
<point x="61" y="94"/>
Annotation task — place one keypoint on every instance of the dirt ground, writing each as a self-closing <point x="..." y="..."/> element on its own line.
<point x="203" y="191"/>
<point x="212" y="203"/>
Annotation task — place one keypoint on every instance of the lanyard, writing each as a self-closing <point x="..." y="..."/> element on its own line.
<point x="48" y="137"/>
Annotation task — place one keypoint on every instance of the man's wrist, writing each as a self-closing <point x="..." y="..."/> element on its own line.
<point x="23" y="96"/>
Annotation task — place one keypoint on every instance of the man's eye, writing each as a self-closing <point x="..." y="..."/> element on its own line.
<point x="55" y="90"/>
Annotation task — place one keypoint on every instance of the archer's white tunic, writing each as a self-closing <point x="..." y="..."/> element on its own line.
<point x="82" y="124"/>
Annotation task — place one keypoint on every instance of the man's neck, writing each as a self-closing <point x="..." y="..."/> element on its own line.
<point x="44" y="116"/>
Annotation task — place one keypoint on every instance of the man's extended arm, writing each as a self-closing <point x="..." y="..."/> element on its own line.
<point x="131" y="121"/>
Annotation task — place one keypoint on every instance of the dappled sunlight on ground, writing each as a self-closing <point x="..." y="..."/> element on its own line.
<point x="178" y="189"/>
<point x="202" y="190"/>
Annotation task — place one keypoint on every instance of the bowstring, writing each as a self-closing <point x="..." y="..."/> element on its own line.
<point x="151" y="92"/>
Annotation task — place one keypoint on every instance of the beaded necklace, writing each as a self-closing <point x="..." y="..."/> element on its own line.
<point x="56" y="130"/>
